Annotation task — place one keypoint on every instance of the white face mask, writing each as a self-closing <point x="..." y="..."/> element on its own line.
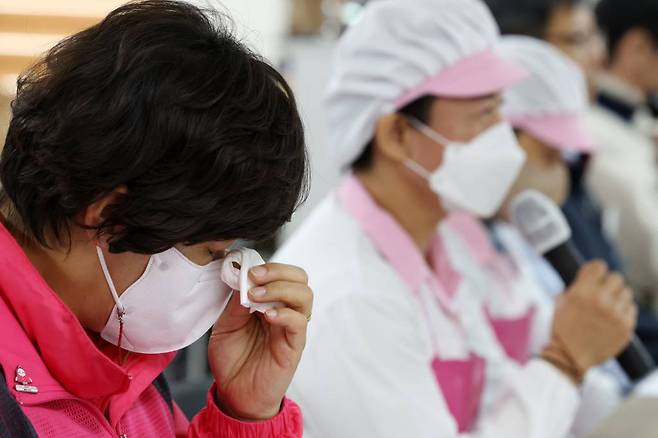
<point x="170" y="306"/>
<point x="474" y="176"/>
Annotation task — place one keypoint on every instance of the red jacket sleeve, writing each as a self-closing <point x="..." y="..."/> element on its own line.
<point x="211" y="422"/>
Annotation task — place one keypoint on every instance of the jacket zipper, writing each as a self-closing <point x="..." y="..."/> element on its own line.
<point x="119" y="431"/>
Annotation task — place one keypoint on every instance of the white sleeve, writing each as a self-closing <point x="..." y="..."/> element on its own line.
<point x="601" y="396"/>
<point x="538" y="402"/>
<point x="366" y="372"/>
<point x="629" y="185"/>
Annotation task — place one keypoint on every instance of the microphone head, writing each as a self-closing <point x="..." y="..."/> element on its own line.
<point x="539" y="220"/>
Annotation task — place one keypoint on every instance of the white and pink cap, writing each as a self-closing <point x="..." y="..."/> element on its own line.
<point x="551" y="103"/>
<point x="399" y="51"/>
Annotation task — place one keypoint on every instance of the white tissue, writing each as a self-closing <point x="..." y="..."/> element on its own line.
<point x="238" y="279"/>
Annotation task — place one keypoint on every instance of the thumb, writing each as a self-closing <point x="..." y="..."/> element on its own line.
<point x="234" y="315"/>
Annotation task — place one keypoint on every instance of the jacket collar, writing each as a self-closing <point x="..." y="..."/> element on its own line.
<point x="620" y="97"/>
<point x="70" y="356"/>
<point x="395" y="244"/>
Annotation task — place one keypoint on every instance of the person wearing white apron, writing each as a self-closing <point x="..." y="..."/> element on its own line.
<point x="413" y="107"/>
<point x="546" y="111"/>
<point x="623" y="175"/>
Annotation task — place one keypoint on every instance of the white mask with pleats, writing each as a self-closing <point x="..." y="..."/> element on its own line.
<point x="474" y="176"/>
<point x="176" y="301"/>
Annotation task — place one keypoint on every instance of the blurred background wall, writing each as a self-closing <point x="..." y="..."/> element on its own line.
<point x="27" y="28"/>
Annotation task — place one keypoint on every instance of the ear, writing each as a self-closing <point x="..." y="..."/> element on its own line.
<point x="391" y="133"/>
<point x="97" y="211"/>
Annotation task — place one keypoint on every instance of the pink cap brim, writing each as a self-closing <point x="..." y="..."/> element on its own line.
<point x="561" y="131"/>
<point x="478" y="75"/>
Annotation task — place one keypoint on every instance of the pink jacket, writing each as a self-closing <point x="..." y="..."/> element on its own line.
<point x="81" y="391"/>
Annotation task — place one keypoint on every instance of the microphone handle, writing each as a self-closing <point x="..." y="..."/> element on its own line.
<point x="566" y="260"/>
<point x="634" y="359"/>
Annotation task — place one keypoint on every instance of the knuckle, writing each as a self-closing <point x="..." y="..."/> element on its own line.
<point x="601" y="302"/>
<point x="286" y="313"/>
<point x="614" y="279"/>
<point x="633" y="314"/>
<point x="292" y="272"/>
<point x="597" y="267"/>
<point x="582" y="284"/>
<point x="275" y="287"/>
<point x="306" y="294"/>
<point x="303" y="274"/>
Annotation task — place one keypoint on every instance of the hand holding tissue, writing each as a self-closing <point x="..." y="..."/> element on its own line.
<point x="238" y="277"/>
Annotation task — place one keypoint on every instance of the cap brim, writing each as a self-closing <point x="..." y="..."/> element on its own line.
<point x="479" y="75"/>
<point x="562" y="131"/>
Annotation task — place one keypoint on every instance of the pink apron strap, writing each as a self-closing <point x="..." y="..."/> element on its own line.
<point x="462" y="384"/>
<point x="514" y="334"/>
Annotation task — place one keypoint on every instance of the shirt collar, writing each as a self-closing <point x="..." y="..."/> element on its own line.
<point x="391" y="240"/>
<point x="621" y="90"/>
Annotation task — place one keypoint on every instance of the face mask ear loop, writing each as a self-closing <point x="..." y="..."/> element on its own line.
<point x="429" y="132"/>
<point x="417" y="169"/>
<point x="425" y="130"/>
<point x="120" y="309"/>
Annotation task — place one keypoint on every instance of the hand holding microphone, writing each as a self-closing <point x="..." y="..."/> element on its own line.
<point x="595" y="319"/>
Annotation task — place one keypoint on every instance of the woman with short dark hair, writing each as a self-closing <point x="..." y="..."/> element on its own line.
<point x="139" y="150"/>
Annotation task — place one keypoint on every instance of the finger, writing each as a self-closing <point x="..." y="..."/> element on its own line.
<point x="293" y="323"/>
<point x="297" y="296"/>
<point x="611" y="290"/>
<point x="622" y="307"/>
<point x="589" y="279"/>
<point x="613" y="284"/>
<point x="617" y="298"/>
<point x="270" y="272"/>
<point x="592" y="271"/>
<point x="630" y="316"/>
<point x="626" y="291"/>
<point x="625" y="296"/>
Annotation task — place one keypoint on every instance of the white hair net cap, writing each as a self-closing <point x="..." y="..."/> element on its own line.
<point x="399" y="51"/>
<point x="550" y="104"/>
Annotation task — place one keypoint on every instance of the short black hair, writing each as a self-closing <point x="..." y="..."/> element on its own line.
<point x="162" y="98"/>
<point x="526" y="17"/>
<point x="418" y="109"/>
<point x="616" y="17"/>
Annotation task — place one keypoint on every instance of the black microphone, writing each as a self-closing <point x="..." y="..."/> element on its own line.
<point x="544" y="226"/>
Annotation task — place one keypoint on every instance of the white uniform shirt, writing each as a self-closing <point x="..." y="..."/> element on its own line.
<point x="366" y="368"/>
<point x="529" y="283"/>
<point x="623" y="177"/>
<point x="601" y="392"/>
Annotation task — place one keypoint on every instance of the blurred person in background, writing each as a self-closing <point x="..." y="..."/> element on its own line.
<point x="139" y="150"/>
<point x="571" y="26"/>
<point x="547" y="112"/>
<point x="398" y="345"/>
<point x="623" y="173"/>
